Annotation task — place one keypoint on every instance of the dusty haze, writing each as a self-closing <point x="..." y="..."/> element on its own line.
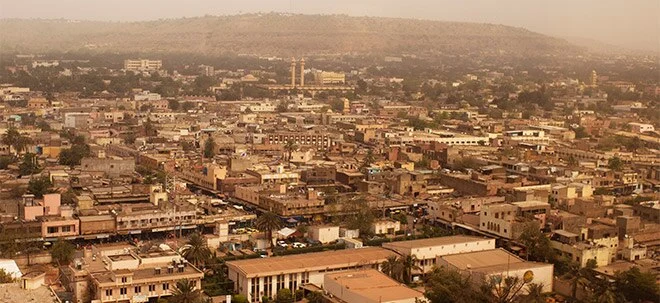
<point x="634" y="24"/>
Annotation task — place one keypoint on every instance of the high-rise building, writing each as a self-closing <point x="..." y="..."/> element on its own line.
<point x="142" y="64"/>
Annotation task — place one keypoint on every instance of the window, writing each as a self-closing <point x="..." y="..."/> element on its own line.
<point x="152" y="288"/>
<point x="108" y="292"/>
<point x="166" y="286"/>
<point x="124" y="279"/>
<point x="138" y="289"/>
<point x="53" y="229"/>
<point x="123" y="291"/>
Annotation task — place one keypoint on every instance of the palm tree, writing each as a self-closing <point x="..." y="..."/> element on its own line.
<point x="22" y="143"/>
<point x="393" y="268"/>
<point x="290" y="147"/>
<point x="185" y="292"/>
<point x="196" y="251"/>
<point x="409" y="263"/>
<point x="268" y="222"/>
<point x="604" y="292"/>
<point x="534" y="293"/>
<point x="11" y="137"/>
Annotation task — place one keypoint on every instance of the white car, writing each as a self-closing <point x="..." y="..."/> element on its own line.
<point x="298" y="245"/>
<point x="282" y="243"/>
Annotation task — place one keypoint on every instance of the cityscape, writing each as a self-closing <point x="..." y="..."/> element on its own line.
<point x="311" y="156"/>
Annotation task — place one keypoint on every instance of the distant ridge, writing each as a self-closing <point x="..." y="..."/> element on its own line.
<point x="278" y="34"/>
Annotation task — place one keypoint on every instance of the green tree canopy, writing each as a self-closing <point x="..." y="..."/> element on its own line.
<point x="40" y="186"/>
<point x="196" y="251"/>
<point x="62" y="251"/>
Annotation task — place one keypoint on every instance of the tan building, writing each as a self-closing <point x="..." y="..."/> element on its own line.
<point x="483" y="265"/>
<point x="142" y="64"/>
<point x="256" y="278"/>
<point x="427" y="250"/>
<point x="126" y="275"/>
<point x="369" y="286"/>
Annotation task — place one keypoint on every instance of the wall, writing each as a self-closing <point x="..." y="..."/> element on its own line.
<point x="324" y="234"/>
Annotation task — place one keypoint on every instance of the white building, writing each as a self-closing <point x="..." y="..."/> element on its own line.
<point x="324" y="234"/>
<point x="641" y="127"/>
<point x="427" y="250"/>
<point x="256" y="278"/>
<point x="142" y="64"/>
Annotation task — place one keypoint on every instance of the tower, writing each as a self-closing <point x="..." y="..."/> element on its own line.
<point x="293" y="72"/>
<point x="302" y="72"/>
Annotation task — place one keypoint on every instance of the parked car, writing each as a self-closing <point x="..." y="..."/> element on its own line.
<point x="282" y="244"/>
<point x="298" y="245"/>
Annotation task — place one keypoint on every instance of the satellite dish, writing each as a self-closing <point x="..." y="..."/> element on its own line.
<point x="528" y="276"/>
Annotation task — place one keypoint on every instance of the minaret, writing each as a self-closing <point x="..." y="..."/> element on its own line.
<point x="594" y="78"/>
<point x="302" y="72"/>
<point x="293" y="72"/>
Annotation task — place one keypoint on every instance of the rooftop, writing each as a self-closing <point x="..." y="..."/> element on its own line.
<point x="373" y="285"/>
<point x="441" y="241"/>
<point x="311" y="261"/>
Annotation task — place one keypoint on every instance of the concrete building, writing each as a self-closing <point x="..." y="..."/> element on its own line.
<point x="427" y="250"/>
<point x="369" y="286"/>
<point x="324" y="234"/>
<point x="641" y="127"/>
<point x="108" y="166"/>
<point x="385" y="227"/>
<point x="327" y="78"/>
<point x="124" y="274"/>
<point x="507" y="220"/>
<point x="481" y="266"/>
<point x="142" y="64"/>
<point x="256" y="278"/>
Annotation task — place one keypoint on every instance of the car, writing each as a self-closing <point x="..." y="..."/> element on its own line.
<point x="298" y="245"/>
<point x="239" y="207"/>
<point x="282" y="244"/>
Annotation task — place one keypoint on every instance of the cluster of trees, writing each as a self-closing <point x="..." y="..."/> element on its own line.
<point x="79" y="149"/>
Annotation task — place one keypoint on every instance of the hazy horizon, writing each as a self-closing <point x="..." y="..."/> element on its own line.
<point x="633" y="24"/>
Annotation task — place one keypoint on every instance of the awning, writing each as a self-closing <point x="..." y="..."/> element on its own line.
<point x="286" y="232"/>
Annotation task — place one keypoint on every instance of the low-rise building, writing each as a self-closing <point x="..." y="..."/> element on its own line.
<point x="256" y="278"/>
<point x="369" y="286"/>
<point x="426" y="251"/>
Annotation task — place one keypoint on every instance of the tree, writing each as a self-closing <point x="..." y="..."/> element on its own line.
<point x="40" y="186"/>
<point x="209" y="148"/>
<point x="196" y="251"/>
<point x="173" y="104"/>
<point x="284" y="295"/>
<point x="368" y="158"/>
<point x="29" y="165"/>
<point x="5" y="277"/>
<point x="11" y="137"/>
<point x="393" y="267"/>
<point x="315" y="297"/>
<point x="449" y="286"/>
<point x="537" y="245"/>
<point x="268" y="222"/>
<point x="72" y="156"/>
<point x="184" y="292"/>
<point x="240" y="298"/>
<point x="409" y="263"/>
<point x="149" y="128"/>
<point x="62" y="252"/>
<point x="615" y="163"/>
<point x="361" y="217"/>
<point x="581" y="277"/>
<point x="637" y="286"/>
<point x="503" y="289"/>
<point x="290" y="147"/>
<point x="534" y="294"/>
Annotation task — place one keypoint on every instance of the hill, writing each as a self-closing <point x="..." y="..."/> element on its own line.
<point x="277" y="34"/>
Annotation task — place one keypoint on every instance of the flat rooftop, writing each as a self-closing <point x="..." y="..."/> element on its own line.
<point x="430" y="242"/>
<point x="310" y="262"/>
<point x="373" y="285"/>
<point x="495" y="260"/>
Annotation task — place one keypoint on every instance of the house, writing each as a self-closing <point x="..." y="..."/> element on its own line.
<point x="369" y="286"/>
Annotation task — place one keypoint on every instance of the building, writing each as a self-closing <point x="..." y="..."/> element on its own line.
<point x="641" y="127"/>
<point x="124" y="274"/>
<point x="426" y="251"/>
<point x="385" y="227"/>
<point x="483" y="265"/>
<point x="326" y="78"/>
<point x="142" y="64"/>
<point x="369" y="286"/>
<point x="507" y="220"/>
<point x="256" y="278"/>
<point x="324" y="234"/>
<point x="109" y="167"/>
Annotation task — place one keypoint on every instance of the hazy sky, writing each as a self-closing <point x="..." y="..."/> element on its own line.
<point x="629" y="23"/>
